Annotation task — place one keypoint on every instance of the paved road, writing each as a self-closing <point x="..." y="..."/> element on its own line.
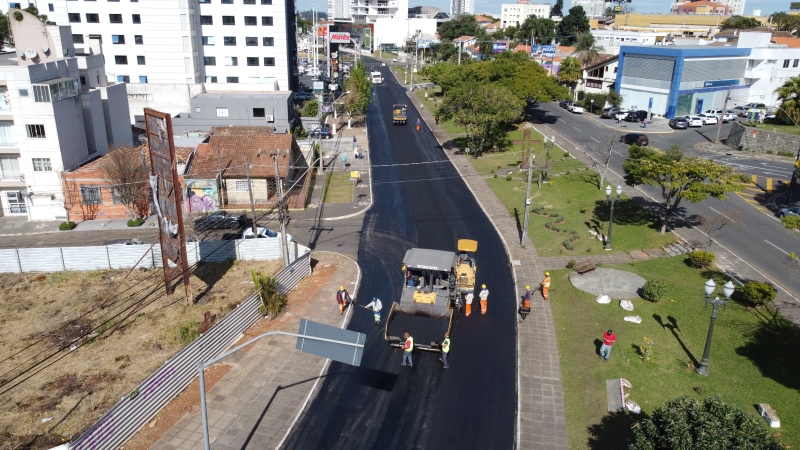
<point x="383" y="405"/>
<point x="758" y="236"/>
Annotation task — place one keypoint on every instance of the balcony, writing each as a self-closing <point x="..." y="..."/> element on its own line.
<point x="7" y="143"/>
<point x="759" y="71"/>
<point x="12" y="179"/>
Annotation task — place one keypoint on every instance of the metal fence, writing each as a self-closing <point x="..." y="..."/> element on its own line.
<point x="56" y="259"/>
<point x="144" y="402"/>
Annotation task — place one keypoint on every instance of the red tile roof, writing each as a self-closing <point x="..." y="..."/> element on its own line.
<point x="236" y="145"/>
<point x="791" y="42"/>
<point x="182" y="153"/>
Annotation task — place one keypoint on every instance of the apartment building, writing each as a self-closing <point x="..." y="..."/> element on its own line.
<point x="458" y="7"/>
<point x="514" y="14"/>
<point x="57" y="112"/>
<point x="593" y="8"/>
<point x="185" y="41"/>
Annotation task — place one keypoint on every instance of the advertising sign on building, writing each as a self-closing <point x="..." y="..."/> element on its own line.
<point x="340" y="38"/>
<point x="549" y="51"/>
<point x="322" y="31"/>
<point x="498" y="47"/>
<point x="424" y="43"/>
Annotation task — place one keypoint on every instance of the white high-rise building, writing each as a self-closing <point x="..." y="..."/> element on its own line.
<point x="593" y="8"/>
<point x="185" y="41"/>
<point x="458" y="7"/>
<point x="368" y="10"/>
<point x="514" y="14"/>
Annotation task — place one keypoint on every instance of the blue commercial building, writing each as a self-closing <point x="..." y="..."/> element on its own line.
<point x="680" y="80"/>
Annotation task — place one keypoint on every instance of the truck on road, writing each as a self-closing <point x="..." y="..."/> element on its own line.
<point x="376" y="77"/>
<point x="400" y="114"/>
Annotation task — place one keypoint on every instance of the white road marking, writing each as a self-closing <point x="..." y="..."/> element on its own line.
<point x="594" y="140"/>
<point x="723" y="215"/>
<point x="579" y="131"/>
<point x="779" y="249"/>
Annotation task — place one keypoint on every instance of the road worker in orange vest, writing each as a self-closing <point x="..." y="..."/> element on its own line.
<point x="408" y="348"/>
<point x="342" y="297"/>
<point x="468" y="301"/>
<point x="484" y="295"/>
<point x="545" y="285"/>
<point x="526" y="299"/>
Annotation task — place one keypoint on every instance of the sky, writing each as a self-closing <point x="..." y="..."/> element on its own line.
<point x="767" y="7"/>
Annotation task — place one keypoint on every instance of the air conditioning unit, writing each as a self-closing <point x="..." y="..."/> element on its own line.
<point x="270" y="118"/>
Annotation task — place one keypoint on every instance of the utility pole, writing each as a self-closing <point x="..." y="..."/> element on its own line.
<point x="284" y="243"/>
<point x="527" y="198"/>
<point x="250" y="190"/>
<point x="219" y="175"/>
<point x="460" y="49"/>
<point x="724" y="111"/>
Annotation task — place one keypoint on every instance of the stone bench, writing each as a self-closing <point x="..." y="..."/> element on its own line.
<point x="769" y="415"/>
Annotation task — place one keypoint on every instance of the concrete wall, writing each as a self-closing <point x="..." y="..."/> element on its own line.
<point x="94" y="124"/>
<point x="117" y="116"/>
<point x="203" y="112"/>
<point x="69" y="125"/>
<point x="741" y="138"/>
<point x="168" y="98"/>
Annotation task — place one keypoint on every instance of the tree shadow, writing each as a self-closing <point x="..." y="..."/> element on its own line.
<point x="626" y="212"/>
<point x="773" y="349"/>
<point x="614" y="431"/>
<point x="672" y="326"/>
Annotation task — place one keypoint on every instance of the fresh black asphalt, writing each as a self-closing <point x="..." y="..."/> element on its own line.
<point x="381" y="404"/>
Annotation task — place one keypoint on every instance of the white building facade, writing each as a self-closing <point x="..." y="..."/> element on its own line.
<point x="368" y="11"/>
<point x="514" y="14"/>
<point x="593" y="8"/>
<point x="458" y="7"/>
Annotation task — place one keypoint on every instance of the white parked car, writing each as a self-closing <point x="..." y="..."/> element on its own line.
<point x="708" y="119"/>
<point x="263" y="233"/>
<point x="728" y="116"/>
<point x="576" y="108"/>
<point x="694" y="121"/>
<point x="394" y="59"/>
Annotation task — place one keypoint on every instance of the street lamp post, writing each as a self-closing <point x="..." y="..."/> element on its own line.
<point x="727" y="290"/>
<point x="613" y="200"/>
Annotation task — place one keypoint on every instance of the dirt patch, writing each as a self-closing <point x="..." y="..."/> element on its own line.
<point x="73" y="343"/>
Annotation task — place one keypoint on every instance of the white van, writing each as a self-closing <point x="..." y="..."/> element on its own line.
<point x="376" y="78"/>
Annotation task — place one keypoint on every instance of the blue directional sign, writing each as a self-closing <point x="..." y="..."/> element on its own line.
<point x="716" y="83"/>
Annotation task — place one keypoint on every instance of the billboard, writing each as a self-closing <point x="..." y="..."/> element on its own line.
<point x="549" y="51"/>
<point x="339" y="37"/>
<point x="498" y="47"/>
<point x="322" y="32"/>
<point x="424" y="43"/>
<point x="202" y="195"/>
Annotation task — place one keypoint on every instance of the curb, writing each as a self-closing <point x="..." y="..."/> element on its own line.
<point x="742" y="154"/>
<point x="617" y="129"/>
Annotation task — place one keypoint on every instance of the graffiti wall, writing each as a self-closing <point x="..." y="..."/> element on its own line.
<point x="202" y="195"/>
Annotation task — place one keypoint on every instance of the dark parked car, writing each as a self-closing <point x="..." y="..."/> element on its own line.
<point x="636" y="116"/>
<point x="679" y="123"/>
<point x="219" y="220"/>
<point x="300" y="96"/>
<point x="564" y="103"/>
<point x="322" y="133"/>
<point x="635" y="138"/>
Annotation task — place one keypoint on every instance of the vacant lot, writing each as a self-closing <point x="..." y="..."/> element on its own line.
<point x="119" y="332"/>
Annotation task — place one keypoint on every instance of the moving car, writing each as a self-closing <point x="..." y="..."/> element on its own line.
<point x="793" y="211"/>
<point x="635" y="138"/>
<point x="708" y="119"/>
<point x="219" y="220"/>
<point x="636" y="116"/>
<point x="576" y="108"/>
<point x="262" y="233"/>
<point x="678" y="123"/>
<point x="694" y="121"/>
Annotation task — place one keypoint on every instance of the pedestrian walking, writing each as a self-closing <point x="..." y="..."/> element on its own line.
<point x="437" y="120"/>
<point x="445" y="350"/>
<point x="354" y="143"/>
<point x="468" y="300"/>
<point x="545" y="285"/>
<point x="608" y="340"/>
<point x="342" y="297"/>
<point x="408" y="347"/>
<point x="376" y="306"/>
<point x="526" y="299"/>
<point x="484" y="295"/>
<point x="426" y="95"/>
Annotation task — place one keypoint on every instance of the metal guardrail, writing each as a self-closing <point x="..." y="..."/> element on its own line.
<point x="145" y="401"/>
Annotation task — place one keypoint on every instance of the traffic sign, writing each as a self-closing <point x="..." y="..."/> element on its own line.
<point x="337" y="351"/>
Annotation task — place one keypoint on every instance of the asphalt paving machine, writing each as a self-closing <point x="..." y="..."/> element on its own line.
<point x="428" y="300"/>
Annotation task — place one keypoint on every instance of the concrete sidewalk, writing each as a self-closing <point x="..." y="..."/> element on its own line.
<point x="657" y="126"/>
<point x="256" y="403"/>
<point x="20" y="225"/>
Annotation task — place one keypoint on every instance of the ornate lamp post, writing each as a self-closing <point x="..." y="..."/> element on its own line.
<point x="727" y="290"/>
<point x="613" y="200"/>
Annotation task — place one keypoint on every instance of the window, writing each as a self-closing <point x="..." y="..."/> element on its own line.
<point x="120" y="59"/>
<point x="209" y="61"/>
<point x="9" y="168"/>
<point x="206" y="20"/>
<point x="140" y="60"/>
<point x="251" y="41"/>
<point x="50" y="7"/>
<point x="136" y="18"/>
<point x="83" y="81"/>
<point x="211" y="79"/>
<point x="252" y="61"/>
<point x="249" y="2"/>
<point x="143" y="79"/>
<point x="228" y="20"/>
<point x="203" y="1"/>
<point x="266" y="2"/>
<point x="77" y="38"/>
<point x="35" y="131"/>
<point x="117" y="39"/>
<point x="92" y="18"/>
<point x="259" y="112"/>
<point x="123" y="79"/>
<point x="42" y="165"/>
<point x="23" y="92"/>
<point x="269" y="61"/>
<point x="16" y="205"/>
<point x="41" y="94"/>
<point x="90" y="195"/>
<point x="250" y="20"/>
<point x="137" y="39"/>
<point x="222" y="112"/>
<point x="231" y="61"/>
<point x="116" y="196"/>
<point x="115" y="18"/>
<point x="786" y="63"/>
<point x="229" y="40"/>
<point x="227" y="2"/>
<point x="208" y="40"/>
<point x="266" y="21"/>
<point x="268" y="41"/>
<point x="241" y="186"/>
<point x="796" y="62"/>
<point x="74" y="17"/>
<point x="232" y="79"/>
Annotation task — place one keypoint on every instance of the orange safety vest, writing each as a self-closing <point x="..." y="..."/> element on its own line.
<point x="546" y="282"/>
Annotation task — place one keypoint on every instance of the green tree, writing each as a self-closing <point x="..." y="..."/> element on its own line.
<point x="570" y="71"/>
<point x="709" y="424"/>
<point x="572" y="25"/>
<point x="542" y="30"/>
<point x="359" y="87"/>
<point x="789" y="98"/>
<point x="5" y="30"/>
<point x="609" y="12"/>
<point x="463" y="25"/>
<point x="739" y="23"/>
<point x="483" y="110"/>
<point x="586" y="49"/>
<point x="556" y="10"/>
<point x="691" y="178"/>
<point x="786" y="22"/>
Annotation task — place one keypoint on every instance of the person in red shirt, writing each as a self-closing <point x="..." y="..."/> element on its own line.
<point x="608" y="340"/>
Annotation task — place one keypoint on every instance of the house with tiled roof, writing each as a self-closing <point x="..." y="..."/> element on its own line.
<point x="600" y="74"/>
<point x="483" y="20"/>
<point x="239" y="159"/>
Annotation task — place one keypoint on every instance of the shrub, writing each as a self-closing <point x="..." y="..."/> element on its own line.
<point x="758" y="292"/>
<point x="646" y="350"/>
<point x="311" y="108"/>
<point x="769" y="152"/>
<point x="566" y="243"/>
<point x="583" y="210"/>
<point x="791" y="222"/>
<point x="508" y="177"/>
<point x="66" y="226"/>
<point x="785" y="153"/>
<point x="566" y="154"/>
<point x="188" y="332"/>
<point x="272" y="301"/>
<point x="701" y="259"/>
<point x="571" y="263"/>
<point x="136" y="222"/>
<point x="654" y="290"/>
<point x="494" y="176"/>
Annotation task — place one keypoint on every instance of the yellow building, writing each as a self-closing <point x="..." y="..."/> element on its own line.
<point x="675" y="23"/>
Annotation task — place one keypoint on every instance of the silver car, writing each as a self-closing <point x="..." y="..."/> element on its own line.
<point x="786" y="212"/>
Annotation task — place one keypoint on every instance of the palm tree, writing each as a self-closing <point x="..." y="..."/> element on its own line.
<point x="789" y="96"/>
<point x="586" y="49"/>
<point x="570" y="71"/>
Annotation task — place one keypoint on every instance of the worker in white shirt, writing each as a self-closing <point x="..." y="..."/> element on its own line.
<point x="376" y="306"/>
<point x="468" y="300"/>
<point x="484" y="295"/>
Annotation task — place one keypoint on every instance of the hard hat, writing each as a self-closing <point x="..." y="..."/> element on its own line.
<point x="547" y="273"/>
<point x="527" y="287"/>
<point x="341" y="288"/>
<point x="483" y="286"/>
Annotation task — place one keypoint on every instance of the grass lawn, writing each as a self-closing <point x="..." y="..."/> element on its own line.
<point x="775" y="125"/>
<point x="435" y="99"/>
<point x="338" y="188"/>
<point x="754" y="356"/>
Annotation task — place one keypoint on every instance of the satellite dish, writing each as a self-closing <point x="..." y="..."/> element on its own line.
<point x="30" y="53"/>
<point x="142" y="138"/>
<point x="45" y="49"/>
